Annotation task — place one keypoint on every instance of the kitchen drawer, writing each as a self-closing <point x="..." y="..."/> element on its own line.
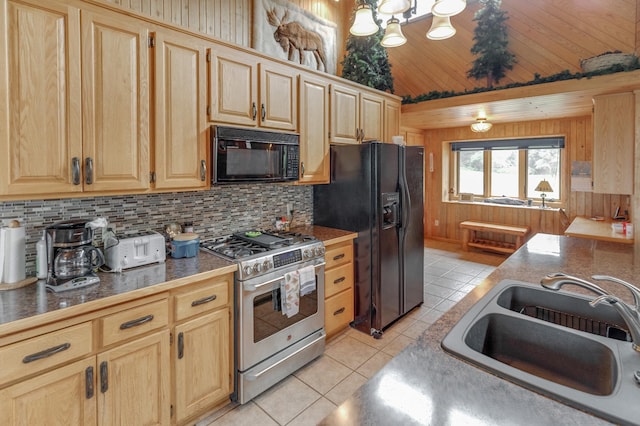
<point x="338" y="311"/>
<point x="42" y="352"/>
<point x="338" y="254"/>
<point x="134" y="322"/>
<point x="338" y="279"/>
<point x="202" y="297"/>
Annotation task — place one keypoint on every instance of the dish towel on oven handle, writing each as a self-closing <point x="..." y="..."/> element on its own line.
<point x="290" y="293"/>
<point x="307" y="280"/>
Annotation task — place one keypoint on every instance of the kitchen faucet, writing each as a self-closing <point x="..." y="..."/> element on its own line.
<point x="630" y="315"/>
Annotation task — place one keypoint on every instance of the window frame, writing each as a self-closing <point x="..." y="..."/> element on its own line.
<point x="512" y="143"/>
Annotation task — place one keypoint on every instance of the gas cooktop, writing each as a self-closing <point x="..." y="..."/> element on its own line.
<point x="242" y="245"/>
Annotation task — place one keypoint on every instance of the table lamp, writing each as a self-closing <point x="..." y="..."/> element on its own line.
<point x="543" y="187"/>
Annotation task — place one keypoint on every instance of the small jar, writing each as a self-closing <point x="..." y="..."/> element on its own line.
<point x="187" y="227"/>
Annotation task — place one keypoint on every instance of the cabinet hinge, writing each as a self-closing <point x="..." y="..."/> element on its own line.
<point x="208" y="56"/>
<point x="152" y="177"/>
<point x="152" y="41"/>
<point x="171" y="410"/>
<point x="170" y="339"/>
<point x="208" y="109"/>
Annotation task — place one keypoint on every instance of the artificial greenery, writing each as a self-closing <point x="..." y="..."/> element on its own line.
<point x="491" y="41"/>
<point x="366" y="61"/>
<point x="562" y="75"/>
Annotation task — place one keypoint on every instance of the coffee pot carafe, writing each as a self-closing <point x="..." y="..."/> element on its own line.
<point x="77" y="262"/>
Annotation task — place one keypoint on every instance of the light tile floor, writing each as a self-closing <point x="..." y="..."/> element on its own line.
<point x="352" y="357"/>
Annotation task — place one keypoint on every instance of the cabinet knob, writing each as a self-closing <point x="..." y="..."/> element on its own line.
<point x="88" y="166"/>
<point x="254" y="111"/>
<point x="263" y="112"/>
<point x="203" y="170"/>
<point x="75" y="170"/>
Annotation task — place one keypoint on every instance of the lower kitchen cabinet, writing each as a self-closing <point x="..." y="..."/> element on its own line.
<point x="202" y="350"/>
<point x="65" y="396"/>
<point x="338" y="282"/>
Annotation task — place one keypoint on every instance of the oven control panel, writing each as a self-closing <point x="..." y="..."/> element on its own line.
<point x="252" y="268"/>
<point x="287" y="258"/>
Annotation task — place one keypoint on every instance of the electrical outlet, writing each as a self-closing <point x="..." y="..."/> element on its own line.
<point x="289" y="208"/>
<point x="436" y="222"/>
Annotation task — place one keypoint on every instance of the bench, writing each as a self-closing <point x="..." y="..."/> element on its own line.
<point x="469" y="238"/>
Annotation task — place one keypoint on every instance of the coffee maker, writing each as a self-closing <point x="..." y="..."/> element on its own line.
<point x="71" y="256"/>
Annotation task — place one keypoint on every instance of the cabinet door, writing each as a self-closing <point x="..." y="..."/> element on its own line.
<point x="278" y="97"/>
<point x="115" y="58"/>
<point x="202" y="363"/>
<point x="345" y="115"/>
<point x="391" y="120"/>
<point x="40" y="98"/>
<point x="64" y="396"/>
<point x="181" y="130"/>
<point x="613" y="143"/>
<point x="233" y="86"/>
<point x="314" y="126"/>
<point x="371" y="117"/>
<point x="133" y="382"/>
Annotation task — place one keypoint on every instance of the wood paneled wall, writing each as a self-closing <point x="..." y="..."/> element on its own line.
<point x="228" y="20"/>
<point x="547" y="36"/>
<point x="579" y="142"/>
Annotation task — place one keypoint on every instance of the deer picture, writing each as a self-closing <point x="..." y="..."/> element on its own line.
<point x="292" y="36"/>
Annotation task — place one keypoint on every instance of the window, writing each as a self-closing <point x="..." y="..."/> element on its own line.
<point x="507" y="167"/>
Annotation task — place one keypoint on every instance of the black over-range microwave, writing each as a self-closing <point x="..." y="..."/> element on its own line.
<point x="251" y="155"/>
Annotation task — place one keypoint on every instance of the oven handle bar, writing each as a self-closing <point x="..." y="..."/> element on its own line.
<point x="256" y="376"/>
<point x="249" y="287"/>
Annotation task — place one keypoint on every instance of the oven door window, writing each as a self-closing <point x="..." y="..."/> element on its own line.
<point x="268" y="318"/>
<point x="247" y="160"/>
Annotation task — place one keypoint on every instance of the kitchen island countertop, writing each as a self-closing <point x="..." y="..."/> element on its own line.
<point x="424" y="385"/>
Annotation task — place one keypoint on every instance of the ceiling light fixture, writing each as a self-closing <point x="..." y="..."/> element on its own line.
<point x="441" y="28"/>
<point x="448" y="7"/>
<point x="391" y="7"/>
<point x="481" y="125"/>
<point x="393" y="36"/>
<point x="363" y="23"/>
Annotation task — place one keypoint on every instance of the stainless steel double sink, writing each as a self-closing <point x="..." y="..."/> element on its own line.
<point x="554" y="343"/>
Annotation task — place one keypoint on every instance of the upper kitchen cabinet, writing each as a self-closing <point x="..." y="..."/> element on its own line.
<point x="249" y="93"/>
<point x="181" y="134"/>
<point x="314" y="128"/>
<point x="613" y="143"/>
<point x="391" y="119"/>
<point x="115" y="78"/>
<point x="40" y="98"/>
<point x="355" y="116"/>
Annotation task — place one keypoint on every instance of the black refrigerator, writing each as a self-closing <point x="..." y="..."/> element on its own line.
<point x="376" y="190"/>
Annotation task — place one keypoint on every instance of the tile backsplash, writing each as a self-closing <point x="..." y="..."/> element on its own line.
<point x="216" y="212"/>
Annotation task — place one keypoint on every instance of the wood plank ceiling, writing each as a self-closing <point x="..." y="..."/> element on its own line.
<point x="547" y="37"/>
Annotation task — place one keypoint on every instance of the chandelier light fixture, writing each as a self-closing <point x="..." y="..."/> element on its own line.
<point x="441" y="28"/>
<point x="391" y="7"/>
<point x="448" y="7"/>
<point x="393" y="36"/>
<point x="363" y="23"/>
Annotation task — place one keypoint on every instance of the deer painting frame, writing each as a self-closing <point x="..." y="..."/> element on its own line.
<point x="283" y="30"/>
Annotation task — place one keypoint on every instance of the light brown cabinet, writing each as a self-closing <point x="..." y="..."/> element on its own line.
<point x="391" y="119"/>
<point x="202" y="355"/>
<point x="356" y="116"/>
<point x="314" y="130"/>
<point x="613" y="143"/>
<point x="40" y="98"/>
<point x="181" y="136"/>
<point x="249" y="92"/>
<point x="338" y="281"/>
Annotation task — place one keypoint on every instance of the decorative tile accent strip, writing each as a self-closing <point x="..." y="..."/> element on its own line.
<point x="219" y="211"/>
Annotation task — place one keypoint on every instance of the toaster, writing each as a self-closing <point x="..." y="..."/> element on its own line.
<point x="134" y="250"/>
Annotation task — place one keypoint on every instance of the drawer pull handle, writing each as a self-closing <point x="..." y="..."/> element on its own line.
<point x="204" y="300"/>
<point x="136" y="322"/>
<point x="104" y="377"/>
<point x="339" y="280"/>
<point x="339" y="311"/>
<point x="180" y="345"/>
<point x="338" y="257"/>
<point x="46" y="353"/>
<point x="88" y="377"/>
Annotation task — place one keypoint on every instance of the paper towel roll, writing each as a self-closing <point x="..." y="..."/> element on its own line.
<point x="14" y="255"/>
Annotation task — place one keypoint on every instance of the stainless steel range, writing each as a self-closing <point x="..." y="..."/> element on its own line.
<point x="271" y="340"/>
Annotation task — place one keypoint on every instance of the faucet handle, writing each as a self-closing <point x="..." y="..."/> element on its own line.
<point x="635" y="291"/>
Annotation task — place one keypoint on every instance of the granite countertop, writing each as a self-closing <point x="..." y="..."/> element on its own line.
<point x="425" y="385"/>
<point x="20" y="305"/>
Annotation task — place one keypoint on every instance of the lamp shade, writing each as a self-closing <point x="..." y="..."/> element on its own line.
<point x="393" y="36"/>
<point x="440" y="28"/>
<point x="543" y="186"/>
<point x="481" y="125"/>
<point x="391" y="7"/>
<point x="448" y="7"/>
<point x="363" y="23"/>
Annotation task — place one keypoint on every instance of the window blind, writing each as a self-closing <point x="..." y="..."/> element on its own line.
<point x="503" y="144"/>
